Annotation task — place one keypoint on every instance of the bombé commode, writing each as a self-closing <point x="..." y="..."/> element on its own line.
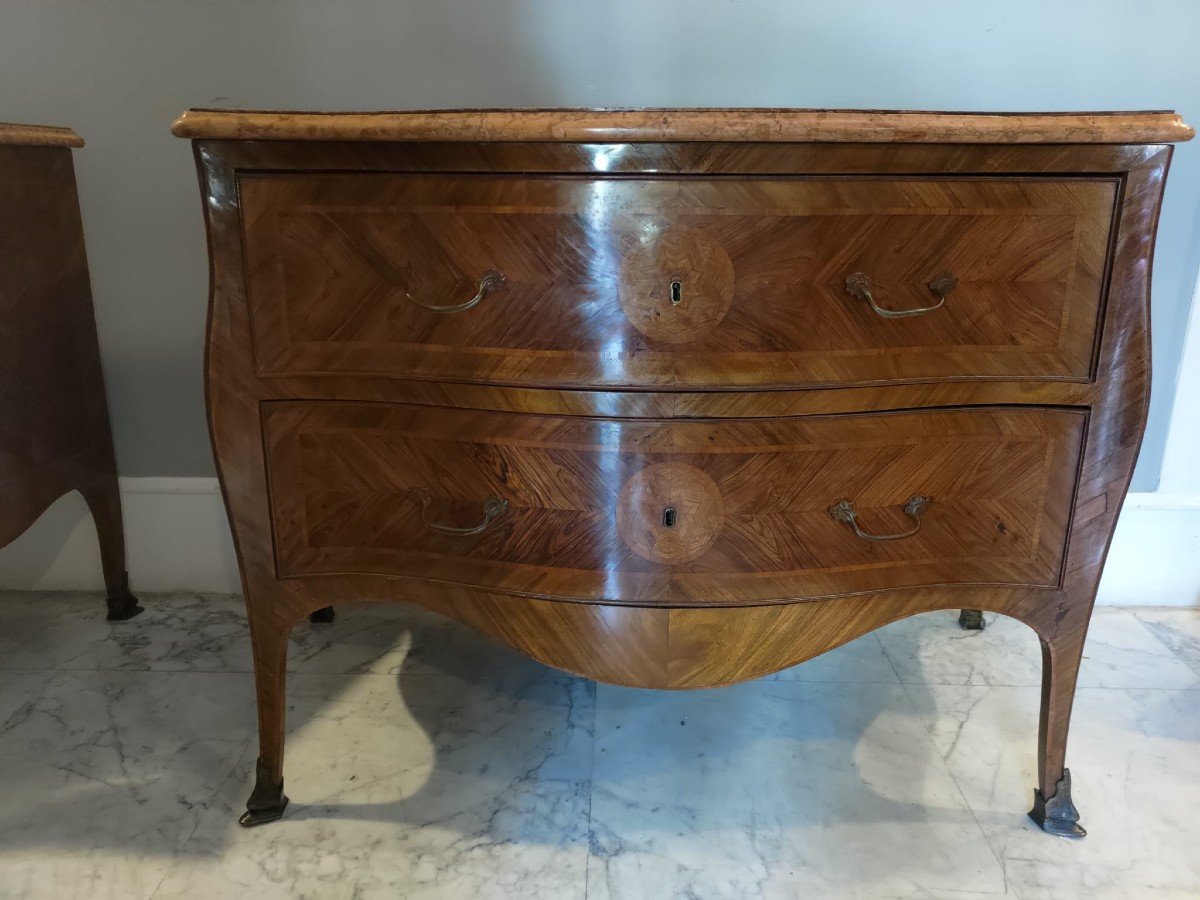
<point x="678" y="398"/>
<point x="55" y="436"/>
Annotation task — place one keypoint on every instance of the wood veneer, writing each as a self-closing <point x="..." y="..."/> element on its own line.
<point x="368" y="449"/>
<point x="54" y="428"/>
<point x="752" y="498"/>
<point x="759" y="267"/>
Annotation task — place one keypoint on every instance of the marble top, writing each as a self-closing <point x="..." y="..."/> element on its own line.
<point x="632" y="125"/>
<point x="38" y="135"/>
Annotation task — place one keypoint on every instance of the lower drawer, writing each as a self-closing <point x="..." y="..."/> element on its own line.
<point x="675" y="512"/>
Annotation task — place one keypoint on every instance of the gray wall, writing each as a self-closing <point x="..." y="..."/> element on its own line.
<point x="119" y="70"/>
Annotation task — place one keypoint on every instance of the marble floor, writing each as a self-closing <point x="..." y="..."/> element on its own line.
<point x="424" y="762"/>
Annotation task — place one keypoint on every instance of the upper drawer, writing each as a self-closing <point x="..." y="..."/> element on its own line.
<point x="676" y="282"/>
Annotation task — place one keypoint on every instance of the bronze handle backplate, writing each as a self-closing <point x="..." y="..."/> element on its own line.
<point x="858" y="285"/>
<point x="844" y="511"/>
<point x="488" y="282"/>
<point x="493" y="507"/>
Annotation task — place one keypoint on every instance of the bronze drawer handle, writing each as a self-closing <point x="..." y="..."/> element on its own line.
<point x="844" y="511"/>
<point x="858" y="285"/>
<point x="488" y="282"/>
<point x="493" y="507"/>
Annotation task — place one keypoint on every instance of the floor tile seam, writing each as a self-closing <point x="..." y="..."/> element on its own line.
<point x="1037" y="685"/>
<point x="929" y="734"/>
<point x="832" y="681"/>
<point x="247" y="672"/>
<point x="1194" y="666"/>
<point x="181" y="850"/>
<point x="891" y="662"/>
<point x="424" y="675"/>
<point x="587" y="859"/>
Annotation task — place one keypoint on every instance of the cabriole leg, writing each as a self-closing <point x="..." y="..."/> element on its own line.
<point x="269" y="638"/>
<point x="104" y="502"/>
<point x="1053" y="809"/>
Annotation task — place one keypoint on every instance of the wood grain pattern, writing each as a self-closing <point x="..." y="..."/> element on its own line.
<point x="674" y="283"/>
<point x="750" y="124"/>
<point x="684" y="637"/>
<point x="669" y="512"/>
<point x="691" y="648"/>
<point x="54" y="428"/>
<point x="662" y="160"/>
<point x="586" y="500"/>
<point x="761" y="268"/>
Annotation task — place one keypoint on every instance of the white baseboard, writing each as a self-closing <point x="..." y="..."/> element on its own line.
<point x="178" y="539"/>
<point x="1155" y="555"/>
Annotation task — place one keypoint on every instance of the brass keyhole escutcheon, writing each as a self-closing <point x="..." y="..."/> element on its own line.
<point x="676" y="292"/>
<point x="669" y="516"/>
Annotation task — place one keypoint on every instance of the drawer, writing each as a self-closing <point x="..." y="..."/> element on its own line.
<point x="683" y="282"/>
<point x="675" y="512"/>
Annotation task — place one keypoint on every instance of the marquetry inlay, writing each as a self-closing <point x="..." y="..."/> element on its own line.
<point x="676" y="283"/>
<point x="670" y="512"/>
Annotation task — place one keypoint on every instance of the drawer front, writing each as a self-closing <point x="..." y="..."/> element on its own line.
<point x="685" y="282"/>
<point x="678" y="512"/>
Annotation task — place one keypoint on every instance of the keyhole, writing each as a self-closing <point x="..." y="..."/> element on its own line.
<point x="669" y="517"/>
<point x="676" y="291"/>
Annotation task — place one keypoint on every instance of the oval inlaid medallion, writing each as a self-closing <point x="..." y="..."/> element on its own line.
<point x="676" y="284"/>
<point x="670" y="513"/>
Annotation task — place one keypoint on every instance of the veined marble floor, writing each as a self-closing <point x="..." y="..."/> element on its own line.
<point x="425" y="762"/>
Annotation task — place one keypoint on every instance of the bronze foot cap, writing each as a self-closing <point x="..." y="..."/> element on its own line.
<point x="267" y="802"/>
<point x="122" y="604"/>
<point x="971" y="620"/>
<point x="1058" y="815"/>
